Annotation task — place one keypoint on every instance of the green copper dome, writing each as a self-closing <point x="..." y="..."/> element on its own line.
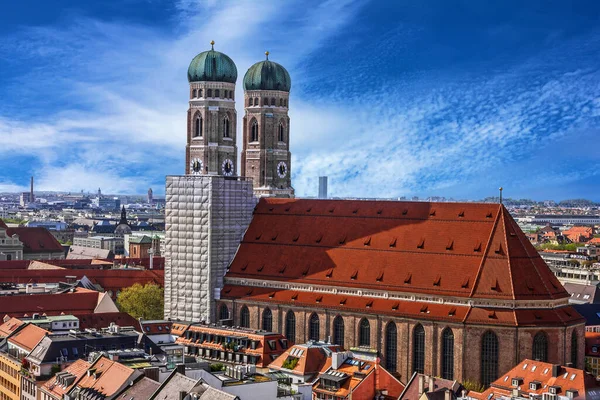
<point x="212" y="66"/>
<point x="267" y="75"/>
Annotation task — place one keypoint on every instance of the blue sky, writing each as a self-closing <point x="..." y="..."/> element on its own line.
<point x="398" y="98"/>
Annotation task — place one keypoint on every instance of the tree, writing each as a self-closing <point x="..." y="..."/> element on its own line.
<point x="146" y="302"/>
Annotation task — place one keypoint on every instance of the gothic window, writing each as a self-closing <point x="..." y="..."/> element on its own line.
<point x="267" y="320"/>
<point x="209" y="93"/>
<point x="419" y="349"/>
<point x="574" y="348"/>
<point x="338" y="331"/>
<point x="391" y="347"/>
<point x="313" y="328"/>
<point x="256" y="101"/>
<point x="489" y="358"/>
<point x="198" y="127"/>
<point x="272" y="101"/>
<point x="224" y="312"/>
<point x="245" y="317"/>
<point x="290" y="326"/>
<point x="250" y="102"/>
<point x="226" y="127"/>
<point x="217" y="93"/>
<point x="199" y="92"/>
<point x="364" y="333"/>
<point x="254" y="131"/>
<point x="195" y="94"/>
<point x="540" y="347"/>
<point x="448" y="354"/>
<point x="281" y="135"/>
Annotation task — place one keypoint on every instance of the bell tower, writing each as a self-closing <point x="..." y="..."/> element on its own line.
<point x="211" y="120"/>
<point x="266" y="156"/>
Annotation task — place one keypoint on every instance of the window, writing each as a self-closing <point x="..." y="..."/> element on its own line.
<point x="209" y="92"/>
<point x="489" y="358"/>
<point x="267" y="320"/>
<point x="574" y="348"/>
<point x="391" y="347"/>
<point x="224" y="312"/>
<point x="290" y="326"/>
<point x="313" y="327"/>
<point x="245" y="317"/>
<point x="254" y="131"/>
<point x="226" y="127"/>
<point x="364" y="333"/>
<point x="448" y="354"/>
<point x="250" y="102"/>
<point x="195" y="94"/>
<point x="338" y="331"/>
<point x="281" y="134"/>
<point x="199" y="92"/>
<point x="540" y="347"/>
<point x="272" y="101"/>
<point x="256" y="101"/>
<point x="419" y="349"/>
<point x="217" y="93"/>
<point x="198" y="129"/>
<point x="280" y="102"/>
<point x="285" y="103"/>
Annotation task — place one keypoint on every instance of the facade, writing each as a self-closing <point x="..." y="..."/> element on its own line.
<point x="322" y="187"/>
<point x="592" y="353"/>
<point x="10" y="379"/>
<point x="562" y="219"/>
<point x="11" y="248"/>
<point x="420" y="283"/>
<point x="38" y="243"/>
<point x="113" y="244"/>
<point x="266" y="156"/>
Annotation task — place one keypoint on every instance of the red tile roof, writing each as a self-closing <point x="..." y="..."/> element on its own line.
<point x="36" y="240"/>
<point x="311" y="359"/>
<point x="82" y="301"/>
<point x="2" y="224"/>
<point x="53" y="386"/>
<point x="103" y="320"/>
<point x="7" y="328"/>
<point x="28" y="337"/>
<point x="540" y="372"/>
<point x="592" y="342"/>
<point x="107" y="377"/>
<point x="385" y="244"/>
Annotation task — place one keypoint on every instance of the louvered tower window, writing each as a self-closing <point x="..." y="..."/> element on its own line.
<point x="448" y="354"/>
<point x="267" y="320"/>
<point x="489" y="358"/>
<point x="419" y="349"/>
<point x="391" y="347"/>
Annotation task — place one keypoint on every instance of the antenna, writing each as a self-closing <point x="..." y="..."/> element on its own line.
<point x="500" y="194"/>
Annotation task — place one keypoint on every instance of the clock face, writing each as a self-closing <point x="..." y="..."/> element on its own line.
<point x="196" y="166"/>
<point x="282" y="169"/>
<point x="227" y="167"/>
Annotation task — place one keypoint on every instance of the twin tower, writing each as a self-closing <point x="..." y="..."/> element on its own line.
<point x="212" y="123"/>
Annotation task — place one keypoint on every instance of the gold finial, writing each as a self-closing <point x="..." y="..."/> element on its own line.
<point x="501" y="189"/>
<point x="212" y="44"/>
<point x="267" y="54"/>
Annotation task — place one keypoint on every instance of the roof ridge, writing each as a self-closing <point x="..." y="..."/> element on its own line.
<point x="505" y="237"/>
<point x="484" y="258"/>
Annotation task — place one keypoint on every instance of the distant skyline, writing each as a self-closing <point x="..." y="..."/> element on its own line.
<point x="388" y="99"/>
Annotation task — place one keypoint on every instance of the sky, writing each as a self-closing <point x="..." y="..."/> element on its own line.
<point x="389" y="98"/>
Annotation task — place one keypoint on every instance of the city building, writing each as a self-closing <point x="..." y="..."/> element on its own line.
<point x="355" y="271"/>
<point x="566" y="219"/>
<point x="581" y="293"/>
<point x="540" y="380"/>
<point x="592" y="353"/>
<point x="591" y="314"/>
<point x="11" y="248"/>
<point x="234" y="345"/>
<point x="150" y="197"/>
<point x="208" y="209"/>
<point x="113" y="244"/>
<point x="36" y="244"/>
<point x="424" y="387"/>
<point x="180" y="387"/>
<point x="322" y="187"/>
<point x="143" y="246"/>
<point x="266" y="156"/>
<point x="87" y="253"/>
<point x="59" y="385"/>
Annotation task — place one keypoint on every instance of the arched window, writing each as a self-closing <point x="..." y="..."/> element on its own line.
<point x="364" y="333"/>
<point x="489" y="358"/>
<point x="254" y="131"/>
<point x="313" y="327"/>
<point x="272" y="101"/>
<point x="245" y="317"/>
<point x="540" y="347"/>
<point x="217" y="93"/>
<point x="285" y="103"/>
<point x="391" y="347"/>
<point x="198" y="128"/>
<point x="224" y="312"/>
<point x="226" y="127"/>
<point x="267" y="320"/>
<point x="448" y="354"/>
<point x="199" y="92"/>
<point x="250" y="102"/>
<point x="419" y="349"/>
<point x="209" y="92"/>
<point x="195" y="94"/>
<point x="338" y="331"/>
<point x="280" y="134"/>
<point x="256" y="101"/>
<point x="280" y="102"/>
<point x="574" y="349"/>
<point x="290" y="326"/>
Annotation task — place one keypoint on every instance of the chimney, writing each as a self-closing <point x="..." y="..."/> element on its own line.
<point x="180" y="368"/>
<point x="447" y="394"/>
<point x="431" y="387"/>
<point x="556" y="370"/>
<point x="151" y="373"/>
<point x="421" y="384"/>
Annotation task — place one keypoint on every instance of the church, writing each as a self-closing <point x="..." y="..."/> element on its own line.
<point x="447" y="289"/>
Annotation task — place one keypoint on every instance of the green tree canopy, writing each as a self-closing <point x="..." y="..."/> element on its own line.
<point x="146" y="302"/>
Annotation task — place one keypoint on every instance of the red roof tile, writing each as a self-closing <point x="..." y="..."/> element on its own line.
<point x="103" y="320"/>
<point x="77" y="369"/>
<point x="10" y="326"/>
<point x="384" y="245"/>
<point x="28" y="337"/>
<point x="36" y="240"/>
<point x="82" y="301"/>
